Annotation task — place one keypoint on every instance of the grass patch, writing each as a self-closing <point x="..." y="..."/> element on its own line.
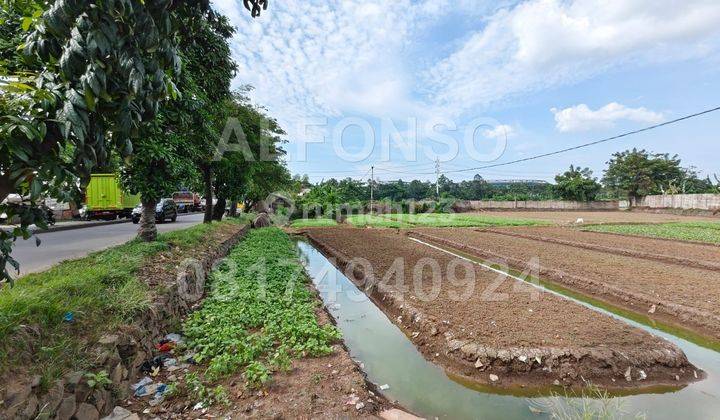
<point x="365" y="220"/>
<point x="708" y="232"/>
<point x="100" y="290"/>
<point x="303" y="223"/>
<point x="459" y="220"/>
<point x="259" y="312"/>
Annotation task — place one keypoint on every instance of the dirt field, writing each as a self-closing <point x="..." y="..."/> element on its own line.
<point x="590" y="217"/>
<point x="682" y="253"/>
<point x="499" y="326"/>
<point x="679" y="293"/>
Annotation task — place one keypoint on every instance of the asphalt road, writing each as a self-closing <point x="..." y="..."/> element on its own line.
<point x="68" y="244"/>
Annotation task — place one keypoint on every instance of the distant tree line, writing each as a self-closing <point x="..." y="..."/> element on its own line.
<point x="630" y="174"/>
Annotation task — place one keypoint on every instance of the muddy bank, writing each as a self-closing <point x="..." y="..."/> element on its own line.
<point x="503" y="332"/>
<point x="678" y="295"/>
<point x="683" y="254"/>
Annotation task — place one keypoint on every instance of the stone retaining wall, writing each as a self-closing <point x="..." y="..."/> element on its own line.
<point x="119" y="353"/>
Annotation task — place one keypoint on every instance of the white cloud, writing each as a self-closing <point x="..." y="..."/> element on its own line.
<point x="582" y="118"/>
<point x="371" y="57"/>
<point x="500" y="131"/>
<point x="544" y="43"/>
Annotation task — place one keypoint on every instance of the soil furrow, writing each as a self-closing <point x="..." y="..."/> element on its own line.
<point x="543" y="237"/>
<point x="504" y="331"/>
<point x="678" y="296"/>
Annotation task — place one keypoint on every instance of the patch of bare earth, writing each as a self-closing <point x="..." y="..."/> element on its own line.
<point x="495" y="329"/>
<point x="594" y="217"/>
<point x="674" y="252"/>
<point x="682" y="294"/>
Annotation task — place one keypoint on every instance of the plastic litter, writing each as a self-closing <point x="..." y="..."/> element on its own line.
<point x="165" y="345"/>
<point x="69" y="317"/>
<point x="169" y="362"/>
<point x="142" y="382"/>
<point x="175" y="338"/>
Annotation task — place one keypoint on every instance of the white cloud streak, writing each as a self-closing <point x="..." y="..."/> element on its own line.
<point x="364" y="58"/>
<point x="582" y="118"/>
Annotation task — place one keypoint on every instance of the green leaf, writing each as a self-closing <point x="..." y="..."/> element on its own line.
<point x="26" y="22"/>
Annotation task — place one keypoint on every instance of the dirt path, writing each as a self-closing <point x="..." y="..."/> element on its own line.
<point x="569" y="217"/>
<point x="684" y="296"/>
<point x="495" y="329"/>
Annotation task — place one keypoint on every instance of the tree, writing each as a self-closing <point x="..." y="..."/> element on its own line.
<point x="638" y="173"/>
<point x="99" y="73"/>
<point x="259" y="140"/>
<point x="577" y="184"/>
<point x="166" y="152"/>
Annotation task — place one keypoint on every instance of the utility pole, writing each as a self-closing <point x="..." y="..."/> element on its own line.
<point x="437" y="177"/>
<point x="372" y="175"/>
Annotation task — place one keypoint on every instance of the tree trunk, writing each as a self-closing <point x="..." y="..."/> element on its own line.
<point x="219" y="210"/>
<point x="207" y="181"/>
<point x="233" y="208"/>
<point x="5" y="187"/>
<point x="148" y="230"/>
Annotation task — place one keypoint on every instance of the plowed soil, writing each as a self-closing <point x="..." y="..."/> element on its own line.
<point x="569" y="217"/>
<point x="682" y="253"/>
<point x="499" y="326"/>
<point x="684" y="295"/>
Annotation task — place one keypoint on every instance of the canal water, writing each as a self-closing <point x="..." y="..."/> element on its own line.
<point x="389" y="358"/>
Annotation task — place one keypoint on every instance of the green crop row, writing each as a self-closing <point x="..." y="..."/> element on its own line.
<point x="259" y="313"/>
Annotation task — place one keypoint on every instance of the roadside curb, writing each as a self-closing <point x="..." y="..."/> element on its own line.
<point x="60" y="228"/>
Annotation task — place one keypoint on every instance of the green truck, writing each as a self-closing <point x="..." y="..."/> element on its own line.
<point x="104" y="199"/>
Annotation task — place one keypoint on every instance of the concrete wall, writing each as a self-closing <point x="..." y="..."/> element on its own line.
<point x="681" y="201"/>
<point x="475" y="205"/>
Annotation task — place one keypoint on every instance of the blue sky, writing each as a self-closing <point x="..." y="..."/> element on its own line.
<point x="545" y="74"/>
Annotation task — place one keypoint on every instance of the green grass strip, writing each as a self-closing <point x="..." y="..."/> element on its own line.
<point x="101" y="290"/>
<point x="259" y="312"/>
<point x="365" y="220"/>
<point x="303" y="223"/>
<point x="708" y="232"/>
<point x="460" y="220"/>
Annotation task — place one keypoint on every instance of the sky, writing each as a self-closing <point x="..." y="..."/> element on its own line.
<point x="400" y="85"/>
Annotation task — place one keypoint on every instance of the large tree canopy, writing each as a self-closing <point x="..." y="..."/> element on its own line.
<point x="577" y="184"/>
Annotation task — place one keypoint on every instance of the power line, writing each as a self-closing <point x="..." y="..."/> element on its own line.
<point x="557" y="152"/>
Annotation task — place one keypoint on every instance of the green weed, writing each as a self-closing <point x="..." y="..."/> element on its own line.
<point x="259" y="312"/>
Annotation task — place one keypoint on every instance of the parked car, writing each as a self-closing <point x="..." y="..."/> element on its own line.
<point x="137" y="214"/>
<point x="165" y="209"/>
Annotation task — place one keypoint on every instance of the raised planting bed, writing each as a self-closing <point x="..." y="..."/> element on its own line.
<point x="592" y="217"/>
<point x="265" y="346"/>
<point x="495" y="329"/>
<point x="303" y="223"/>
<point x="673" y="252"/>
<point x="699" y="232"/>
<point x="459" y="220"/>
<point x="665" y="290"/>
